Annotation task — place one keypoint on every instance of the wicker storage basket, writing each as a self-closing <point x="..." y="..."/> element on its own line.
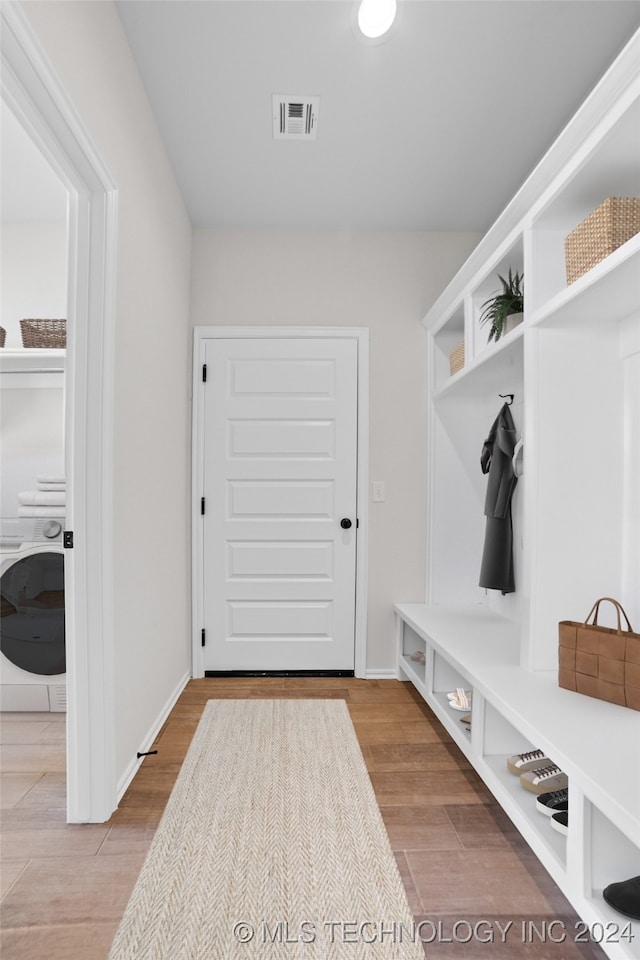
<point x="603" y="231"/>
<point x="44" y="333"/>
<point x="456" y="358"/>
<point x="3" y="336"/>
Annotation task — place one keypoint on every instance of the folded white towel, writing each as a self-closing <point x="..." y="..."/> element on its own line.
<point x="49" y="498"/>
<point x="52" y="486"/>
<point x="51" y="478"/>
<point x="34" y="511"/>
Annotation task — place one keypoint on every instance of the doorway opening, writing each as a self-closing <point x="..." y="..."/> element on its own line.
<point x="37" y="100"/>
<point x="35" y="242"/>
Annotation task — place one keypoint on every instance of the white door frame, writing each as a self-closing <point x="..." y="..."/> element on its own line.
<point x="35" y="95"/>
<point x="361" y="335"/>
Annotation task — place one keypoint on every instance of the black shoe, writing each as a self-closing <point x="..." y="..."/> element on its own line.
<point x="554" y="802"/>
<point x="624" y="897"/>
<point x="560" y="822"/>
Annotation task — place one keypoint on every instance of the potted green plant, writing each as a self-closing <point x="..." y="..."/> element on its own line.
<point x="504" y="310"/>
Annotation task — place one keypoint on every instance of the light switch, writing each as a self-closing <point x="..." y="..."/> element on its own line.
<point x="378" y="491"/>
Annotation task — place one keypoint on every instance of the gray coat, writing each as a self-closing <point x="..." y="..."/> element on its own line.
<point x="496" y="571"/>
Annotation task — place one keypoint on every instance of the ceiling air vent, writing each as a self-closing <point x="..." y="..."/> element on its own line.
<point x="295" y="118"/>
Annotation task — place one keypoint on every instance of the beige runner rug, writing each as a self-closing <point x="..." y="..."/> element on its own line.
<point x="271" y="846"/>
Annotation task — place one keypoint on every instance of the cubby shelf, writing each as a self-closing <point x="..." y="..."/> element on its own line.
<point x="573" y="366"/>
<point x="592" y="747"/>
<point x="514" y="710"/>
<point x="606" y="291"/>
<point x="31" y="367"/>
<point x="483" y="374"/>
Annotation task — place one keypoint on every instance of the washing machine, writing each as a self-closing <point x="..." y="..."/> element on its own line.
<point x="32" y="615"/>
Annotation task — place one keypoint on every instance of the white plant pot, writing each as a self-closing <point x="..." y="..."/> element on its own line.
<point x="512" y="321"/>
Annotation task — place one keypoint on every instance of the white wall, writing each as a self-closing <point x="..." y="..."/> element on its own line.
<point x="88" y="50"/>
<point x="381" y="280"/>
<point x="31" y="434"/>
<point x="33" y="265"/>
<point x="33" y="260"/>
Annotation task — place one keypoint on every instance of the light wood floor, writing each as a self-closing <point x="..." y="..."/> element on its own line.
<point x="468" y="873"/>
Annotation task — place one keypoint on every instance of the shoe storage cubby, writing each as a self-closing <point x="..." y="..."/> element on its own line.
<point x="413" y="651"/>
<point x="447" y="680"/>
<point x="613" y="859"/>
<point x="500" y="741"/>
<point x="573" y="368"/>
<point x="434" y="677"/>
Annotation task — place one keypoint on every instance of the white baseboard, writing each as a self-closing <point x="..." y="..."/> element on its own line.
<point x="134" y="766"/>
<point x="381" y="674"/>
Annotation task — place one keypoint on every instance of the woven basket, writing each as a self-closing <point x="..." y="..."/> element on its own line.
<point x="456" y="358"/>
<point x="3" y="336"/>
<point x="44" y="333"/>
<point x="609" y="226"/>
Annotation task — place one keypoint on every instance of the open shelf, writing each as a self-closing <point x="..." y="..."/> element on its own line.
<point x="22" y="367"/>
<point x="607" y="290"/>
<point x="605" y="166"/>
<point x="520" y="804"/>
<point x="578" y="733"/>
<point x="450" y="334"/>
<point x="514" y="710"/>
<point x="497" y="370"/>
<point x="511" y="260"/>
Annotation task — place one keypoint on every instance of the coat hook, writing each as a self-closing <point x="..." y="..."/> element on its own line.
<point x="507" y="396"/>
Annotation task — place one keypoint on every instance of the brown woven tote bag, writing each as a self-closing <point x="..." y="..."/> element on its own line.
<point x="600" y="662"/>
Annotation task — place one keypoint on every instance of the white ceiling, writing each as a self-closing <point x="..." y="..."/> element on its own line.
<point x="435" y="128"/>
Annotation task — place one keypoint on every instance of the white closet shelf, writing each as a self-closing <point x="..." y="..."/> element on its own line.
<point x="31" y="368"/>
<point x="21" y="359"/>
<point x="479" y="376"/>
<point x="597" y="748"/>
<point x="608" y="290"/>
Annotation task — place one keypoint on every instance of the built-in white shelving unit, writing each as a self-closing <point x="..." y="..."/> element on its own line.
<point x="31" y="367"/>
<point x="573" y="366"/>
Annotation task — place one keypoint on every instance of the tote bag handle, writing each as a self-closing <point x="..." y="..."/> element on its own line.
<point x="619" y="610"/>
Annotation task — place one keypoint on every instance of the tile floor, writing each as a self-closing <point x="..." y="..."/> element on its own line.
<point x="468" y="873"/>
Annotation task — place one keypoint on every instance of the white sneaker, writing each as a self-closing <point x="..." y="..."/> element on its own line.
<point x="520" y="763"/>
<point x="544" y="779"/>
<point x="460" y="699"/>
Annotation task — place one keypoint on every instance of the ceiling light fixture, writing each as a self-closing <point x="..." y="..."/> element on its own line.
<point x="375" y="17"/>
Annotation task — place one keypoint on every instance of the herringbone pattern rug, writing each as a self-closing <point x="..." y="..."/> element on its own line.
<point x="271" y="846"/>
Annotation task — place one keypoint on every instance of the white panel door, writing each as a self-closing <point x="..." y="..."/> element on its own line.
<point x="280" y="458"/>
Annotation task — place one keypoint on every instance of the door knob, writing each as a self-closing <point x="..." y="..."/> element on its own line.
<point x="345" y="523"/>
